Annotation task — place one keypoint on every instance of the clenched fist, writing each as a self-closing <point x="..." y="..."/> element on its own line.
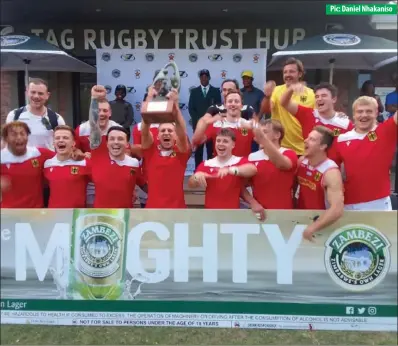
<point x="98" y="92"/>
<point x="298" y="88"/>
<point x="269" y="88"/>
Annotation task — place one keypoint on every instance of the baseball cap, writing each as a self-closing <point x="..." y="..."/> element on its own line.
<point x="204" y="71"/>
<point x="247" y="73"/>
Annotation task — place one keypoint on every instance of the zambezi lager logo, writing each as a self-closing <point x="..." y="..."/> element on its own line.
<point x="99" y="250"/>
<point x="357" y="257"/>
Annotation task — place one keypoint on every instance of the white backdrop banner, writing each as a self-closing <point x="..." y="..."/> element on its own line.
<point x="135" y="68"/>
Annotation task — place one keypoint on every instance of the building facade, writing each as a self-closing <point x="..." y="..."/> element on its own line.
<point x="272" y="30"/>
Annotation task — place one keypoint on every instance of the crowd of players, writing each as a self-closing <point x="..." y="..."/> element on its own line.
<point x="344" y="165"/>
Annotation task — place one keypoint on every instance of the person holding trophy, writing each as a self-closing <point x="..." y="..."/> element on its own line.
<point x="167" y="155"/>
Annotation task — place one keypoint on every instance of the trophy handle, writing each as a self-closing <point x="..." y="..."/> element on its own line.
<point x="175" y="80"/>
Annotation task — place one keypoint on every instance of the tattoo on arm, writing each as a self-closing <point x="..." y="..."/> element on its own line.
<point x="95" y="131"/>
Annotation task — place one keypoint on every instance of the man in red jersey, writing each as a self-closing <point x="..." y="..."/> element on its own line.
<point x="166" y="158"/>
<point x="320" y="184"/>
<point x="83" y="131"/>
<point x="223" y="176"/>
<point x="276" y="169"/>
<point x="367" y="153"/>
<point x="209" y="126"/>
<point x="21" y="168"/>
<point x="324" y="114"/>
<point x="114" y="174"/>
<point x="66" y="177"/>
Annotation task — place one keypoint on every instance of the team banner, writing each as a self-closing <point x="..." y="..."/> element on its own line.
<point x="198" y="268"/>
<point x="135" y="68"/>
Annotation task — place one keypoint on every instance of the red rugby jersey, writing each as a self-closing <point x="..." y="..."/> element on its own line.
<point x="222" y="193"/>
<point x="26" y="177"/>
<point x="273" y="187"/>
<point x="311" y="191"/>
<point x="367" y="159"/>
<point x="68" y="182"/>
<point x="309" y="118"/>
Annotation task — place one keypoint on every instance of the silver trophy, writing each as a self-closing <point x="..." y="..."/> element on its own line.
<point x="160" y="108"/>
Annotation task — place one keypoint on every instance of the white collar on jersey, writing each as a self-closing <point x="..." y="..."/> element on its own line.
<point x="260" y="155"/>
<point x="7" y="157"/>
<point x="55" y="162"/>
<point x="127" y="161"/>
<point x="215" y="162"/>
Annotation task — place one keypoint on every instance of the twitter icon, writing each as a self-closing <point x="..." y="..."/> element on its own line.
<point x="361" y="311"/>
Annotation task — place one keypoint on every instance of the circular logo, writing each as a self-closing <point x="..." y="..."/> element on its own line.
<point x="237" y="58"/>
<point x="193" y="57"/>
<point x="99" y="250"/>
<point x="106" y="56"/>
<point x="357" y="257"/>
<point x="108" y="89"/>
<point x="116" y="73"/>
<point x="341" y="39"/>
<point x="127" y="57"/>
<point x="13" y="40"/>
<point x="149" y="57"/>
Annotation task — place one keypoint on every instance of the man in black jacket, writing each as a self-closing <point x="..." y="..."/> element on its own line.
<point x="200" y="100"/>
<point x="122" y="111"/>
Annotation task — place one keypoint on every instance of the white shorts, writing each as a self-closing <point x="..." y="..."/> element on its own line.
<point x="382" y="204"/>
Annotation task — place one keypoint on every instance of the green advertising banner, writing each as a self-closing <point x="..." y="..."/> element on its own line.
<point x="198" y="268"/>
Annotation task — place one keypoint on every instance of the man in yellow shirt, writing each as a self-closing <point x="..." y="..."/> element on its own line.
<point x="293" y="72"/>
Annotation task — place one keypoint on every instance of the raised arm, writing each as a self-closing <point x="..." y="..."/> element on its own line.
<point x="180" y="125"/>
<point x="333" y="184"/>
<point x="276" y="157"/>
<point x="199" y="135"/>
<point x="146" y="135"/>
<point x="98" y="92"/>
<point x="286" y="98"/>
<point x="266" y="103"/>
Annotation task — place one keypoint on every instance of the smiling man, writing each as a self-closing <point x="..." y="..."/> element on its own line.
<point x="324" y="114"/>
<point x="114" y="174"/>
<point x="40" y="119"/>
<point x="21" y="168"/>
<point x="166" y="158"/>
<point x="67" y="177"/>
<point x="319" y="180"/>
<point x="293" y="73"/>
<point x="367" y="153"/>
<point x="209" y="126"/>
<point x="223" y="177"/>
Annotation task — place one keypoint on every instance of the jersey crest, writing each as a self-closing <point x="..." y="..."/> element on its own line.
<point x="244" y="132"/>
<point x="303" y="98"/>
<point x="336" y="132"/>
<point x="35" y="163"/>
<point x="74" y="170"/>
<point x="317" y="176"/>
<point x="132" y="171"/>
<point x="173" y="154"/>
<point x="372" y="136"/>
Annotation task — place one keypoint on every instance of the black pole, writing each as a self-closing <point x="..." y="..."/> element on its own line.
<point x="21" y="88"/>
<point x="318" y="76"/>
<point x="76" y="99"/>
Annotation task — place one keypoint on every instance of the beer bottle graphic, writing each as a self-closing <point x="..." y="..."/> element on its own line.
<point x="98" y="253"/>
